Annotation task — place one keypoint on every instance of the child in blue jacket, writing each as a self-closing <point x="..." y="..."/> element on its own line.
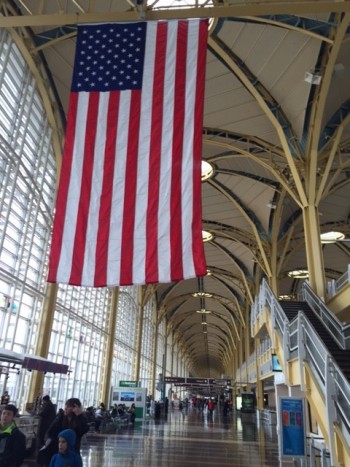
<point x="66" y="455"/>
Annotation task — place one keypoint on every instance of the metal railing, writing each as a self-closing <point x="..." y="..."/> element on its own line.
<point x="340" y="331"/>
<point x="334" y="286"/>
<point x="300" y="340"/>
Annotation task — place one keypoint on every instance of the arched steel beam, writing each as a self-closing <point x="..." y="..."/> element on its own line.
<point x="257" y="178"/>
<point x="268" y="104"/>
<point x="276" y="168"/>
<point x="314" y="28"/>
<point x="327" y="62"/>
<point x="333" y="123"/>
<point x="261" y="8"/>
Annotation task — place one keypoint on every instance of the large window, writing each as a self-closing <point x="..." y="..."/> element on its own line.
<point x="27" y="176"/>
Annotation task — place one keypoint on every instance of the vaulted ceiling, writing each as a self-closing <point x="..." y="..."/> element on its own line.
<point x="276" y="131"/>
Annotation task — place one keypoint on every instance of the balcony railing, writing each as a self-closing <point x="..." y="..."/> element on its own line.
<point x="300" y="340"/>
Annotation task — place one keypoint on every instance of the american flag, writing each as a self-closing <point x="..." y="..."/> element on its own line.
<point x="128" y="208"/>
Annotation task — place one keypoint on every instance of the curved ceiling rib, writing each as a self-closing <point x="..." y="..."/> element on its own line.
<point x="233" y="63"/>
<point x="314" y="28"/>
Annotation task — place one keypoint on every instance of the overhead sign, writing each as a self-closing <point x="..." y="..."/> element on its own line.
<point x="173" y="379"/>
<point x="197" y="381"/>
<point x="129" y="384"/>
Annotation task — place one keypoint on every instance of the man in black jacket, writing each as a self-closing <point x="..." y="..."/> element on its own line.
<point x="47" y="415"/>
<point x="12" y="440"/>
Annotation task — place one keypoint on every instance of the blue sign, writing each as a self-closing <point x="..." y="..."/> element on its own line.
<point x="293" y="427"/>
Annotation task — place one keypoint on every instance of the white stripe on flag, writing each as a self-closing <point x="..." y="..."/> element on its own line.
<point x="164" y="249"/>
<point x="187" y="165"/>
<point x="70" y="221"/>
<point x="139" y="256"/>
<point x="96" y="189"/>
<point x="116" y="222"/>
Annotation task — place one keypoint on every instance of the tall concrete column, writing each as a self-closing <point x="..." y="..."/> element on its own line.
<point x="314" y="250"/>
<point x="155" y="351"/>
<point x="108" y="358"/>
<point x="139" y="324"/>
<point x="43" y="343"/>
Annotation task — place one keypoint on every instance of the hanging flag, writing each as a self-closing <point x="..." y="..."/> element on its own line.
<point x="129" y="200"/>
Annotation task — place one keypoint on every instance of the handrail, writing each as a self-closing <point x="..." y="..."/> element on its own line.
<point x="336" y="285"/>
<point x="300" y="339"/>
<point x="339" y="331"/>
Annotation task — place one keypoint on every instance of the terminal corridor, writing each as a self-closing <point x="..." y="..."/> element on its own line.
<point x="185" y="438"/>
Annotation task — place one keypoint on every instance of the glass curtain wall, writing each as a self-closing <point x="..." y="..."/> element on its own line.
<point x="125" y="336"/>
<point x="27" y="182"/>
<point x="78" y="339"/>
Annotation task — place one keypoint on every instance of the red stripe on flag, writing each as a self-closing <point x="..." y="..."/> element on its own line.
<point x="127" y="246"/>
<point x="59" y="222"/>
<point x="197" y="242"/>
<point x="155" y="156"/>
<point x="107" y="191"/>
<point x="176" y="266"/>
<point x="85" y="190"/>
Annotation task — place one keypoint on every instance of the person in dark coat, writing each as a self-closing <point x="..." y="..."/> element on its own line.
<point x="12" y="440"/>
<point x="72" y="418"/>
<point x="66" y="454"/>
<point x="47" y="415"/>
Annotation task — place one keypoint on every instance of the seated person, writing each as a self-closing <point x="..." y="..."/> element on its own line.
<point x="90" y="417"/>
<point x="12" y="440"/>
<point x="132" y="413"/>
<point x="122" y="413"/>
<point x="114" y="411"/>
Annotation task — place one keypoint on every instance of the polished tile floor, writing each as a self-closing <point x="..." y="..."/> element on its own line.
<point x="187" y="438"/>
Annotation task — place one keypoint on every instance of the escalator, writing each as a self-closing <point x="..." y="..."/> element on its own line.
<point x="341" y="356"/>
<point x="314" y="349"/>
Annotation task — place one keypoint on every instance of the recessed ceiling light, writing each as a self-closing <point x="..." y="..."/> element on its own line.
<point x="202" y="294"/>
<point x="207" y="171"/>
<point x="203" y="311"/>
<point x="204" y="323"/>
<point x="299" y="274"/>
<point x="207" y="236"/>
<point x="331" y="237"/>
<point x="286" y="297"/>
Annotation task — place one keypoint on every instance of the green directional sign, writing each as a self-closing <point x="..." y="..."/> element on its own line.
<point x="129" y="384"/>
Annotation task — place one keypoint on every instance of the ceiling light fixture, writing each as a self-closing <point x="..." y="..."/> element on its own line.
<point x="312" y="77"/>
<point x="203" y="311"/>
<point x="207" y="170"/>
<point x="202" y="294"/>
<point x="207" y="236"/>
<point x="272" y="205"/>
<point x="331" y="237"/>
<point x="286" y="297"/>
<point x="299" y="274"/>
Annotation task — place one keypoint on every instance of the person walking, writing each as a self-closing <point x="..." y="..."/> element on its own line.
<point x="47" y="414"/>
